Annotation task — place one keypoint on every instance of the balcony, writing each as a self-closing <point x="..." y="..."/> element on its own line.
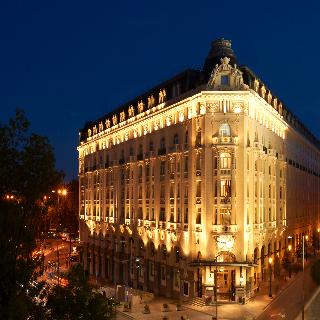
<point x="224" y="229"/>
<point x="162" y="151"/>
<point x="175" y="149"/>
<point x="225" y="140"/>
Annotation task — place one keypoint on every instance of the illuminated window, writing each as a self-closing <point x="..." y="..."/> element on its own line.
<point x="225" y="190"/>
<point x="224" y="130"/>
<point x="198" y="137"/>
<point x="198" y="218"/>
<point x="162" y="216"/>
<point x="198" y="161"/>
<point x="225" y="161"/>
<point x="198" y="190"/>
<point x="225" y="216"/>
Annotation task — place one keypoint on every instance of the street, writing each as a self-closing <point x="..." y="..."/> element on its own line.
<point x="55" y="263"/>
<point x="288" y="304"/>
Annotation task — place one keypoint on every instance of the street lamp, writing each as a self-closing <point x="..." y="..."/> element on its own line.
<point x="303" y="241"/>
<point x="270" y="269"/>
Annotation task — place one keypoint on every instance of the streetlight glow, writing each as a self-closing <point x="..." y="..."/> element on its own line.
<point x="270" y="260"/>
<point x="289" y="247"/>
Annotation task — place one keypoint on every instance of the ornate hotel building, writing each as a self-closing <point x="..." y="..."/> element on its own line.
<point x="189" y="189"/>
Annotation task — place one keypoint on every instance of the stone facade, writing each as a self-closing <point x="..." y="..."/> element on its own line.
<point x="197" y="184"/>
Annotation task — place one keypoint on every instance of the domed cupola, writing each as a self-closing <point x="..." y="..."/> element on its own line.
<point x="220" y="48"/>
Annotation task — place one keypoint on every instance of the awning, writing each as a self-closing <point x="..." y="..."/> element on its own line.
<point x="208" y="263"/>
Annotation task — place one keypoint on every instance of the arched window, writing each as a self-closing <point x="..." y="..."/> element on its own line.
<point x="224" y="130"/>
<point x="225" y="160"/>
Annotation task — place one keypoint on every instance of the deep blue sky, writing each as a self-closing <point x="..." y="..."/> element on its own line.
<point x="66" y="62"/>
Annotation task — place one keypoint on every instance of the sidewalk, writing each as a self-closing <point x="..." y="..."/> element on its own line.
<point x="250" y="311"/>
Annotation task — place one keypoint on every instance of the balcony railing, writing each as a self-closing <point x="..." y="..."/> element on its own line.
<point x="228" y="229"/>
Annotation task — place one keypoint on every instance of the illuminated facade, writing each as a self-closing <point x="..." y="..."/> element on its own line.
<point x="196" y="183"/>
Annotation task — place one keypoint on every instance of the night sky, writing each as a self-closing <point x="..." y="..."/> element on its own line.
<point x="67" y="62"/>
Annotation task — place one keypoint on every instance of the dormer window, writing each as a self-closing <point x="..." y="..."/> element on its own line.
<point x="224" y="130"/>
<point x="224" y="80"/>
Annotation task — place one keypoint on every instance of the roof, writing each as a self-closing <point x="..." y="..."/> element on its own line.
<point x="191" y="79"/>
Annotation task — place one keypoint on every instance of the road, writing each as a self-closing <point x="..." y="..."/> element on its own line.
<point x="288" y="304"/>
<point x="52" y="259"/>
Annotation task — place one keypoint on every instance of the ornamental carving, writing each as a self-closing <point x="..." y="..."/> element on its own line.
<point x="226" y="77"/>
<point x="269" y="97"/>
<point x="256" y="85"/>
<point x="122" y="116"/>
<point x="100" y="126"/>
<point x="107" y="124"/>
<point x="162" y="95"/>
<point x="89" y="132"/>
<point x="181" y="116"/>
<point x="131" y="111"/>
<point x="114" y="120"/>
<point x="140" y="106"/>
<point x="263" y="91"/>
<point x="202" y="109"/>
<point x="151" y="101"/>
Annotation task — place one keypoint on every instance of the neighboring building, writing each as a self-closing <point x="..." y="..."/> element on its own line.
<point x="198" y="181"/>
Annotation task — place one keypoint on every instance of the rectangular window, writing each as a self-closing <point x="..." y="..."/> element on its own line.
<point x="224" y="80"/>
<point x="151" y="269"/>
<point x="186" y="164"/>
<point x="225" y="190"/>
<point x="186" y="215"/>
<point x="162" y="214"/>
<point x="198" y="190"/>
<point x="198" y="219"/>
<point x="162" y="167"/>
<point x="163" y="273"/>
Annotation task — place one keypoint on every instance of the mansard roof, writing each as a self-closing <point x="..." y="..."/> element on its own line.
<point x="194" y="80"/>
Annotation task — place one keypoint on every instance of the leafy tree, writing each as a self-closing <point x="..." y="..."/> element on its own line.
<point x="27" y="172"/>
<point x="77" y="300"/>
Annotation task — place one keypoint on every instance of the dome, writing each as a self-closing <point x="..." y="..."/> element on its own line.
<point x="220" y="48"/>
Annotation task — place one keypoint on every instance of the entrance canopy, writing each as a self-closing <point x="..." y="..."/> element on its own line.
<point x="207" y="263"/>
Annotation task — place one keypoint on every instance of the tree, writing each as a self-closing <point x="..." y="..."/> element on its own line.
<point x="27" y="172"/>
<point x="77" y="300"/>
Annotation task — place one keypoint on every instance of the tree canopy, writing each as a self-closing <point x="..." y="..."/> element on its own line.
<point x="27" y="172"/>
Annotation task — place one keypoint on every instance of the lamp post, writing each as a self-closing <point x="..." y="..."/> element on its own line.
<point x="270" y="269"/>
<point x="289" y="259"/>
<point x="303" y="241"/>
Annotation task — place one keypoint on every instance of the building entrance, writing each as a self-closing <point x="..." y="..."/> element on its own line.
<point x="225" y="285"/>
